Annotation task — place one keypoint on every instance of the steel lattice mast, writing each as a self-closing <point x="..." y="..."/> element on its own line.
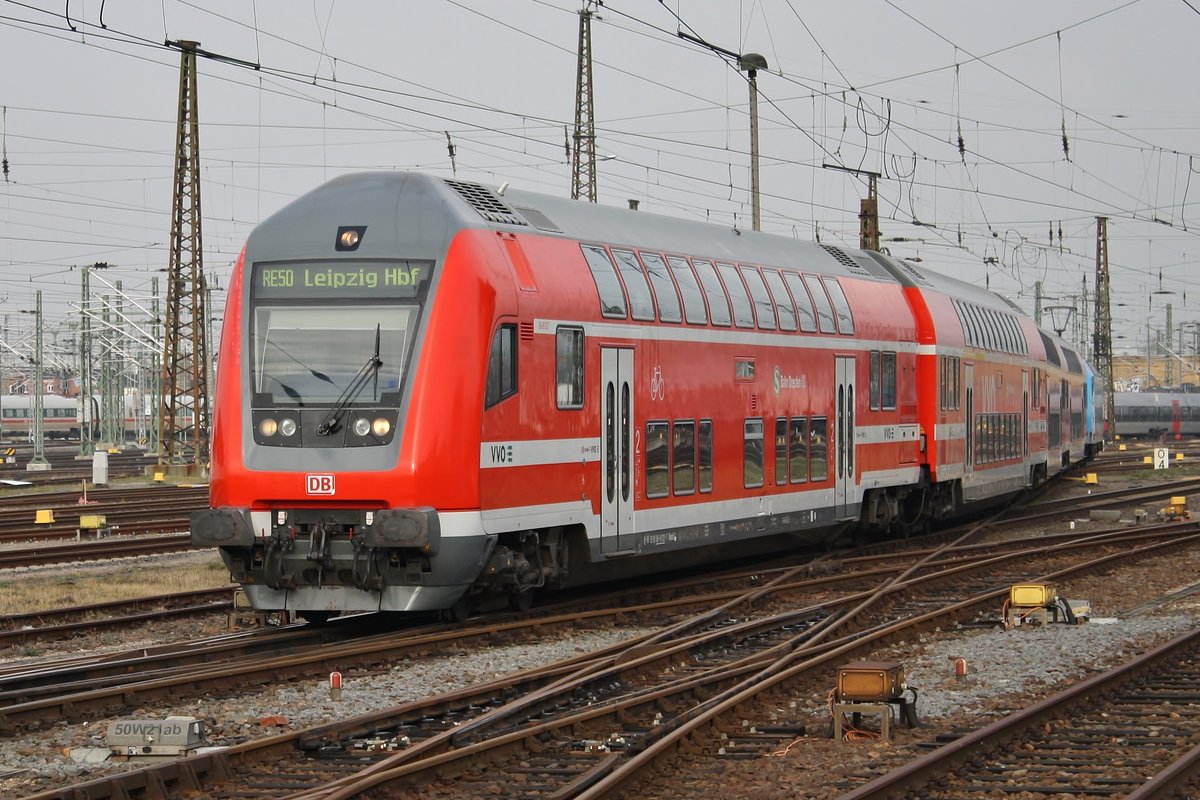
<point x="583" y="155"/>
<point x="183" y="439"/>
<point x="1102" y="355"/>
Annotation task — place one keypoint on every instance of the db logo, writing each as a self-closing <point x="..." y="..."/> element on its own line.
<point x="318" y="484"/>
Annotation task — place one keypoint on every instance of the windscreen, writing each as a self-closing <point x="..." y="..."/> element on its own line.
<point x="312" y="355"/>
<point x="327" y="332"/>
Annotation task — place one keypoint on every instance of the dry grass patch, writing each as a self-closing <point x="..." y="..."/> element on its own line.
<point x="21" y="594"/>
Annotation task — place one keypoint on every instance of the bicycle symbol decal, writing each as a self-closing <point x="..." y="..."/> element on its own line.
<point x="658" y="386"/>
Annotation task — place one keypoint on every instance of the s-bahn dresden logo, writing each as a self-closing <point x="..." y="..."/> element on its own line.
<point x="780" y="381"/>
<point x="318" y="484"/>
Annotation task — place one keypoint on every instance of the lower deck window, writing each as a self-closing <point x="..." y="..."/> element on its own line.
<point x="568" y="367"/>
<point x="819" y="449"/>
<point x="752" y="451"/>
<point x="704" y="455"/>
<point x="658" y="455"/>
<point x="683" y="450"/>
<point x="502" y="366"/>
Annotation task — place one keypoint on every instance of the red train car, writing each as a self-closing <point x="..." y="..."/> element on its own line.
<point x="431" y="391"/>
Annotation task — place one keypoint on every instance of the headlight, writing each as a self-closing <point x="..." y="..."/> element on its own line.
<point x="268" y="427"/>
<point x="362" y="426"/>
<point x="381" y="427"/>
<point x="288" y="426"/>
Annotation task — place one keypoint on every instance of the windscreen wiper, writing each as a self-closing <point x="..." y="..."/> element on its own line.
<point x="369" y="372"/>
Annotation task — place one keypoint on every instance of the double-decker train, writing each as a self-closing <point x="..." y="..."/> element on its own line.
<point x="431" y="391"/>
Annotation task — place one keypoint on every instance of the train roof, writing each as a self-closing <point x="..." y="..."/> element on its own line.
<point x="48" y="401"/>
<point x="393" y="198"/>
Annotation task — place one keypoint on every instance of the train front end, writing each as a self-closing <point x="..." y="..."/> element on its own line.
<point x="331" y="463"/>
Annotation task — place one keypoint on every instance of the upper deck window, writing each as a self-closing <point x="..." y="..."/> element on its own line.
<point x="689" y="287"/>
<point x="743" y="313"/>
<point x="783" y="301"/>
<point x="664" y="288"/>
<point x="763" y="308"/>
<point x="612" y="297"/>
<point x="824" y="307"/>
<point x="804" y="306"/>
<point x="641" y="303"/>
<point x="845" y="319"/>
<point x="718" y="302"/>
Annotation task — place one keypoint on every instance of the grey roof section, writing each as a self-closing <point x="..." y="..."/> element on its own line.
<point x="911" y="274"/>
<point x="416" y="214"/>
<point x="406" y="214"/>
<point x="578" y="219"/>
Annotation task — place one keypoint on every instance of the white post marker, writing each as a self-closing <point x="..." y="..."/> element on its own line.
<point x="1162" y="458"/>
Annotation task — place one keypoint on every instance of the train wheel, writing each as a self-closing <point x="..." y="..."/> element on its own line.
<point x="459" y="612"/>
<point x="520" y="601"/>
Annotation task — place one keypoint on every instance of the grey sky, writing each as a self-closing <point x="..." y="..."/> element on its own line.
<point x="89" y="127"/>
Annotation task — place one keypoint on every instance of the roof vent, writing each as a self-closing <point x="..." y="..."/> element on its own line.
<point x="844" y="259"/>
<point x="539" y="220"/>
<point x="489" y="206"/>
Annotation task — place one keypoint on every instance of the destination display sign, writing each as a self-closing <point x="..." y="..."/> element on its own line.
<point x="339" y="280"/>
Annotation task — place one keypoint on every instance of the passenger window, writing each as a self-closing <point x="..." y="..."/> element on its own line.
<point x="824" y="308"/>
<point x="804" y="306"/>
<point x="781" y="451"/>
<point x="875" y="384"/>
<point x="743" y="314"/>
<point x="818" y="448"/>
<point x="889" y="380"/>
<point x="502" y="366"/>
<point x="693" y="300"/>
<point x="658" y="454"/>
<point x="568" y="367"/>
<point x="612" y="297"/>
<point x="718" y="303"/>
<point x="704" y="455"/>
<point x="641" y="304"/>
<point x="798" y="449"/>
<point x="783" y="302"/>
<point x="841" y="306"/>
<point x="763" y="308"/>
<point x="752" y="453"/>
<point x="664" y="288"/>
<point x="683" y="453"/>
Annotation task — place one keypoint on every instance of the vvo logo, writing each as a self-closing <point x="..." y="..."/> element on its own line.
<point x="318" y="484"/>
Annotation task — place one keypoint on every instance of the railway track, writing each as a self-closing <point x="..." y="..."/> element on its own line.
<point x="603" y="717"/>
<point x="41" y="626"/>
<point x="1129" y="732"/>
<point x="131" y="510"/>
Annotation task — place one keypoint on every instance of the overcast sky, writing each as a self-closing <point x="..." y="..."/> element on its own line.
<point x="1065" y="110"/>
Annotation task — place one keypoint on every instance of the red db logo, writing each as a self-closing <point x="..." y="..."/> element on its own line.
<point x="318" y="484"/>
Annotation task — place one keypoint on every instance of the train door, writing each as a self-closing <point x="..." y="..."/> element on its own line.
<point x="844" y="485"/>
<point x="969" y="421"/>
<point x="1024" y="413"/>
<point x="616" y="446"/>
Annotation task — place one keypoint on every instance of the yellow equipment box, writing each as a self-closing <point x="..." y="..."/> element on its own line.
<point x="870" y="681"/>
<point x="1033" y="594"/>
<point x="92" y="521"/>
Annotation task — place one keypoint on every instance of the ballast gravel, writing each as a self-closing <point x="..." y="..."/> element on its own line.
<point x="1002" y="665"/>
